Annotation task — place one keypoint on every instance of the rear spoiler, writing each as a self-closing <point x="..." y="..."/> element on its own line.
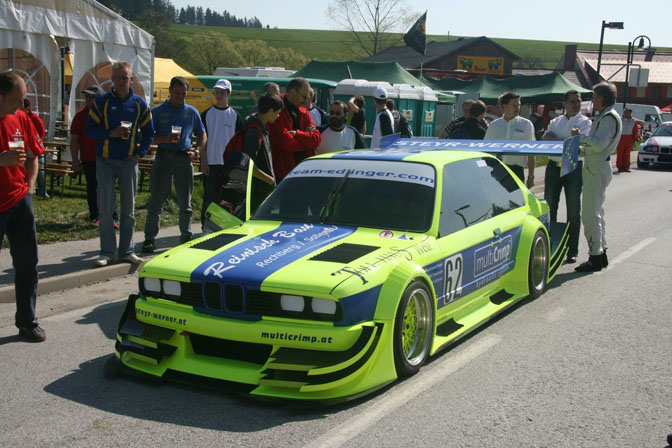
<point x="568" y="149"/>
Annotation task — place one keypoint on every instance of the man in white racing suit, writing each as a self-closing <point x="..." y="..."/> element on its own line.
<point x="598" y="147"/>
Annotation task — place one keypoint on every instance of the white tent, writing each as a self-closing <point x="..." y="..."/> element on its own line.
<point x="33" y="34"/>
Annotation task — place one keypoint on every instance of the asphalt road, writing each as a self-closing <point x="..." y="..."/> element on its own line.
<point x="585" y="365"/>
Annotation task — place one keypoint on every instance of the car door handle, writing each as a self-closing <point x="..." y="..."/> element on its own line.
<point x="497" y="232"/>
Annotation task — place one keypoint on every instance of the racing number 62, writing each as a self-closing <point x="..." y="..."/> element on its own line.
<point x="453" y="270"/>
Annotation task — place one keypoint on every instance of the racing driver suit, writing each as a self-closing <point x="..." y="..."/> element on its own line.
<point x="598" y="147"/>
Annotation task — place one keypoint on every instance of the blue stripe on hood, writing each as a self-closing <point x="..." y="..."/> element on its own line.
<point x="249" y="263"/>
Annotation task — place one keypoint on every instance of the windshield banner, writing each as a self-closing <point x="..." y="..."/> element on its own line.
<point x="416" y="173"/>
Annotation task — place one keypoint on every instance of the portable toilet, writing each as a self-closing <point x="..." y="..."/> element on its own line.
<point x="408" y="98"/>
<point x="347" y="88"/>
<point x="426" y="111"/>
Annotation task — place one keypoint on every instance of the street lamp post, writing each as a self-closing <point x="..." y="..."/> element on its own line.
<point x="610" y="25"/>
<point x="628" y="61"/>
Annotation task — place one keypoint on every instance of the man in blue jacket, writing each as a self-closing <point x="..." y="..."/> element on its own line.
<point x="117" y="120"/>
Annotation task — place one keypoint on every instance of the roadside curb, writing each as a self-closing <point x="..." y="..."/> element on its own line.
<point x="73" y="280"/>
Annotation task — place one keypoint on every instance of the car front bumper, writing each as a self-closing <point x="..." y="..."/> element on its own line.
<point x="276" y="358"/>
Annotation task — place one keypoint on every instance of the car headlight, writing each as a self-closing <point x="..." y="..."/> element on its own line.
<point x="292" y="303"/>
<point x="152" y="284"/>
<point x="648" y="148"/>
<point x="172" y="288"/>
<point x="323" y="306"/>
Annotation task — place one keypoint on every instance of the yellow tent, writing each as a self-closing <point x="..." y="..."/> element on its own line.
<point x="164" y="70"/>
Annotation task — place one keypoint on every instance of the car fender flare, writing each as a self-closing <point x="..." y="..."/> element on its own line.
<point x="530" y="227"/>
<point x="395" y="285"/>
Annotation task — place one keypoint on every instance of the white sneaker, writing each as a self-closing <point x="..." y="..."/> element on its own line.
<point x="131" y="258"/>
<point x="103" y="260"/>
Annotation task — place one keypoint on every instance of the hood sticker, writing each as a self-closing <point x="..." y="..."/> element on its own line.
<point x="253" y="260"/>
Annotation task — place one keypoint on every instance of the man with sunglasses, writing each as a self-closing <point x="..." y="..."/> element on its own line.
<point x="117" y="120"/>
<point x="338" y="136"/>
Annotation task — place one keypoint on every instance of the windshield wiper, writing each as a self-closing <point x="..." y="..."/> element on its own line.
<point x="333" y="196"/>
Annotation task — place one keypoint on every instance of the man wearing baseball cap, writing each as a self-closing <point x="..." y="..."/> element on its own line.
<point x="221" y="123"/>
<point x="383" y="124"/>
<point x="83" y="150"/>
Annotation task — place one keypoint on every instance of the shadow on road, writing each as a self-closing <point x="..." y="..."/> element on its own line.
<point x="174" y="403"/>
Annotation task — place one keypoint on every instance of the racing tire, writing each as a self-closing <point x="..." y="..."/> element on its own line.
<point x="642" y="165"/>
<point x="413" y="329"/>
<point x="538" y="266"/>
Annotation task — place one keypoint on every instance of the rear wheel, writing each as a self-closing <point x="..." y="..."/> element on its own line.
<point x="641" y="164"/>
<point x="538" y="266"/>
<point x="413" y="329"/>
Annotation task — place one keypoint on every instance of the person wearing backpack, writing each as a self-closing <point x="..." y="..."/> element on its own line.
<point x="471" y="128"/>
<point x="251" y="142"/>
<point x="399" y="122"/>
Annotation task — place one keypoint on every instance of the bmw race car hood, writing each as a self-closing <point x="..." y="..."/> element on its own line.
<point x="659" y="141"/>
<point x="262" y="255"/>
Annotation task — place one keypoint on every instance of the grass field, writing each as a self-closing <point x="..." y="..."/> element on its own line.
<point x="63" y="217"/>
<point x="338" y="45"/>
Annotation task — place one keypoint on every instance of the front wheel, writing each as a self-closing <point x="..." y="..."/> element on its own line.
<point x="642" y="165"/>
<point x="413" y="329"/>
<point x="538" y="267"/>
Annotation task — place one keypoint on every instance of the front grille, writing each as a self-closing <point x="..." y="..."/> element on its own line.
<point x="665" y="150"/>
<point x="233" y="299"/>
<point x="237" y="300"/>
<point x="212" y="295"/>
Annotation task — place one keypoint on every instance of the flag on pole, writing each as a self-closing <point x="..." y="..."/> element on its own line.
<point x="416" y="38"/>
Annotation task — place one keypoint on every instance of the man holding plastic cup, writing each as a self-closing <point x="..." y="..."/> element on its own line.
<point x="19" y="147"/>
<point x="174" y="122"/>
<point x="117" y="120"/>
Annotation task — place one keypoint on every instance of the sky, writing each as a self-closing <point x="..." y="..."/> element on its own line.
<point x="513" y="19"/>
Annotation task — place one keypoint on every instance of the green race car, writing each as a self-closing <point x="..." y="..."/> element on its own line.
<point x="358" y="267"/>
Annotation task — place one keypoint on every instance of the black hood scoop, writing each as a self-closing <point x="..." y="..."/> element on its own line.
<point x="344" y="253"/>
<point x="217" y="242"/>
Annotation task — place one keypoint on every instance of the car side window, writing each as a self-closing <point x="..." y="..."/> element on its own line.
<point x="465" y="200"/>
<point x="503" y="189"/>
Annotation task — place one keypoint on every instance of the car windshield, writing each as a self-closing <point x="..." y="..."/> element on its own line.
<point x="663" y="131"/>
<point x="367" y="193"/>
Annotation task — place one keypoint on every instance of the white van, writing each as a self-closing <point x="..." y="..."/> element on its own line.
<point x="650" y="115"/>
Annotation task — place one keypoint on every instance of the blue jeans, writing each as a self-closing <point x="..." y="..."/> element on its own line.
<point x="18" y="223"/>
<point x="572" y="183"/>
<point x="170" y="166"/>
<point x="107" y="171"/>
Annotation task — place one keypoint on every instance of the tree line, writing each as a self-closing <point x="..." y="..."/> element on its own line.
<point x="135" y="9"/>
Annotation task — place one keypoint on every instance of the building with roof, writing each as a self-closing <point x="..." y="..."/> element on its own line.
<point x="583" y="65"/>
<point x="471" y="56"/>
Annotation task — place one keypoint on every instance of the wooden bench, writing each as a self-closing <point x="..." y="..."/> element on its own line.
<point x="59" y="171"/>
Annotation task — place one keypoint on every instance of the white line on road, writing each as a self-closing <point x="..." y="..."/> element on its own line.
<point x="630" y="252"/>
<point x="396" y="398"/>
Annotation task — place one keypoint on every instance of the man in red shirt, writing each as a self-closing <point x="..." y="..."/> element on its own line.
<point x="19" y="147"/>
<point x="83" y="150"/>
<point x="293" y="135"/>
<point x="39" y="128"/>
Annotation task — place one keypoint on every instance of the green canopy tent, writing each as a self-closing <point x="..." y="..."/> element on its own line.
<point x="391" y="72"/>
<point x="534" y="89"/>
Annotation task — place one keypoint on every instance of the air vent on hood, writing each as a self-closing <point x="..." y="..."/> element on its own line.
<point x="216" y="242"/>
<point x="344" y="253"/>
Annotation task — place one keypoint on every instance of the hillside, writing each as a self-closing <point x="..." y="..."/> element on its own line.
<point x="338" y="45"/>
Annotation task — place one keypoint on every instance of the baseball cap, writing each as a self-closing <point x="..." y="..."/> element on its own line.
<point x="223" y="84"/>
<point x="93" y="90"/>
<point x="380" y="93"/>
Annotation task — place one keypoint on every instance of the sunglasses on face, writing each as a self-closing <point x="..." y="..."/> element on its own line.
<point x="120" y="78"/>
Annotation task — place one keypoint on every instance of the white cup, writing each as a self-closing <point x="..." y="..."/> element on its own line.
<point x="176" y="133"/>
<point x="127" y="125"/>
<point x="17" y="145"/>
